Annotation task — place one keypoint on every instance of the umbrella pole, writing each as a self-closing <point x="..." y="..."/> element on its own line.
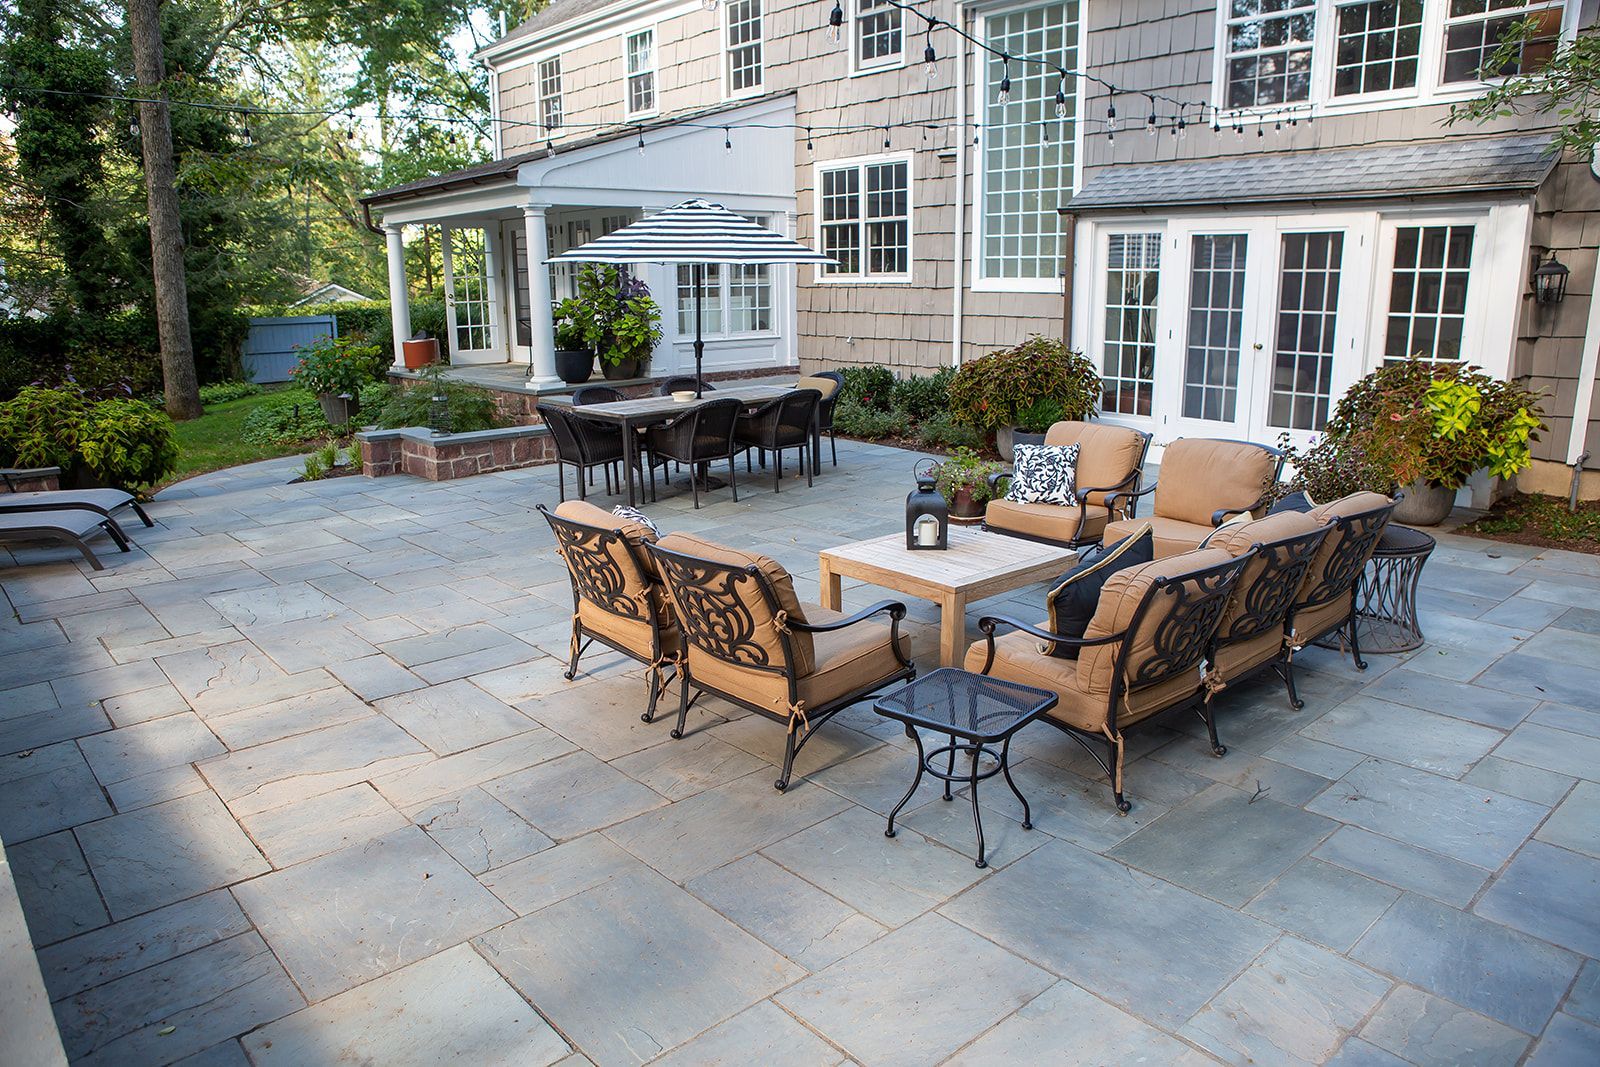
<point x="699" y="341"/>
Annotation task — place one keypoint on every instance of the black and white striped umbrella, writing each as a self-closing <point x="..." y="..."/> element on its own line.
<point x="697" y="233"/>
<point x="694" y="231"/>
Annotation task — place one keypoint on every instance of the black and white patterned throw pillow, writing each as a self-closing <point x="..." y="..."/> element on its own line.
<point x="623" y="511"/>
<point x="1044" y="474"/>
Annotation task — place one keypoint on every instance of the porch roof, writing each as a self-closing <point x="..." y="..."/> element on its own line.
<point x="504" y="170"/>
<point x="1462" y="165"/>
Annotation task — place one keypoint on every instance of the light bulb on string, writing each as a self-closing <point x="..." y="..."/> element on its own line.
<point x="249" y="142"/>
<point x="930" y="58"/>
<point x="886" y="138"/>
<point x="727" y="141"/>
<point x="133" y="129"/>
<point x="1150" y="124"/>
<point x="1111" y="117"/>
<point x="1216" y="121"/>
<point x="549" y="148"/>
<point x="641" y="142"/>
<point x="811" y="146"/>
<point x="1005" y="81"/>
<point x="1181" y="130"/>
<point x="836" y="23"/>
<point x="709" y="5"/>
<point x="1061" y="97"/>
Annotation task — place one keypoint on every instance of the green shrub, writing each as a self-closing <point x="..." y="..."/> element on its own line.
<point x="996" y="390"/>
<point x="924" y="396"/>
<point x="286" y="417"/>
<point x="373" y="396"/>
<point x="471" y="407"/>
<point x="40" y="427"/>
<point x="222" y="392"/>
<point x="339" y="365"/>
<point x="322" y="462"/>
<point x="870" y="386"/>
<point x="942" y="432"/>
<point x="856" y="419"/>
<point x="369" y="320"/>
<point x="128" y="443"/>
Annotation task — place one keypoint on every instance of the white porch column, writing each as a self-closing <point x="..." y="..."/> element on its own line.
<point x="399" y="297"/>
<point x="542" y="347"/>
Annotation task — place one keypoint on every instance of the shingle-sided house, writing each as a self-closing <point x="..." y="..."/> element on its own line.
<point x="1312" y="215"/>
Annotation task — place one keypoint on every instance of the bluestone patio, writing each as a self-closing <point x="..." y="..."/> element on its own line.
<point x="300" y="781"/>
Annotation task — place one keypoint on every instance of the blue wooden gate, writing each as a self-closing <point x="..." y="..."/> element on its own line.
<point x="269" y="348"/>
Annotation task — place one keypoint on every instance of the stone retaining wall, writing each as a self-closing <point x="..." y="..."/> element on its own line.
<point x="417" y="451"/>
<point x="32" y="480"/>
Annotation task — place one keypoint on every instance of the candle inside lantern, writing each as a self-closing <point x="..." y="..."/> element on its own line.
<point x="927" y="531"/>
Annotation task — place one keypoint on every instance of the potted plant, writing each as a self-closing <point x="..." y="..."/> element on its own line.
<point x="618" y="319"/>
<point x="1434" y="425"/>
<point x="335" y="369"/>
<point x="1034" y="421"/>
<point x="1333" y="467"/>
<point x="963" y="478"/>
<point x="995" y="393"/>
<point x="574" y="358"/>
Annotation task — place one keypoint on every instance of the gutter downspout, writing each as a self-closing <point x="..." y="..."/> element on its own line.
<point x="1069" y="253"/>
<point x="1581" y="403"/>
<point x="958" y="298"/>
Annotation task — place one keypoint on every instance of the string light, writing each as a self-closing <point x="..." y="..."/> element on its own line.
<point x="133" y="129"/>
<point x="709" y="5"/>
<point x="549" y="149"/>
<point x="836" y="23"/>
<point x="1111" y="117"/>
<point x="930" y="59"/>
<point x="727" y="141"/>
<point x="810" y="144"/>
<point x="1151" y="123"/>
<point x="1181" y="130"/>
<point x="1061" y="97"/>
<point x="886" y="145"/>
<point x="244" y="135"/>
<point x="1004" y="96"/>
<point x="640" y="130"/>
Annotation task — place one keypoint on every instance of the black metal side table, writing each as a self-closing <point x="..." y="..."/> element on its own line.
<point x="1386" y="600"/>
<point x="976" y="712"/>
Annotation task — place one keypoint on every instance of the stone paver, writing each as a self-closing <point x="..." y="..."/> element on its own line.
<point x="300" y="780"/>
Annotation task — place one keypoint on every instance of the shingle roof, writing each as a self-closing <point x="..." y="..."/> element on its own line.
<point x="1460" y="165"/>
<point x="554" y="14"/>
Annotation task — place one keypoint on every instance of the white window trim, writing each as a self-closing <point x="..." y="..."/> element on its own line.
<point x="978" y="282"/>
<point x="654" y="72"/>
<point x="818" y="277"/>
<point x="858" y="68"/>
<point x="1430" y="67"/>
<point x="539" y="97"/>
<point x="725" y="55"/>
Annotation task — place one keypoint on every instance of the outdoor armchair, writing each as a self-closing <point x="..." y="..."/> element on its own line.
<point x="789" y="421"/>
<point x="1110" y="459"/>
<point x="696" y="437"/>
<point x="583" y="444"/>
<point x="1327" y="598"/>
<point x="1140" y="655"/>
<point x="749" y="640"/>
<point x="617" y="597"/>
<point x="1202" y="484"/>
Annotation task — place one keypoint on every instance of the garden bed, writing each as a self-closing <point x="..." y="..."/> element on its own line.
<point x="1542" y="521"/>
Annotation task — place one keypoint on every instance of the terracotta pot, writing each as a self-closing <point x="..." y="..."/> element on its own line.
<point x="1424" y="505"/>
<point x="626" y="368"/>
<point x="964" y="507"/>
<point x="419" y="353"/>
<point x="574" y="365"/>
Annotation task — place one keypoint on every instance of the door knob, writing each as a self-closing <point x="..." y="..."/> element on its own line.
<point x="1256" y="346"/>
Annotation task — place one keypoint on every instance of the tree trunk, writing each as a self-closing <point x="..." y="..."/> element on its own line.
<point x="166" y="227"/>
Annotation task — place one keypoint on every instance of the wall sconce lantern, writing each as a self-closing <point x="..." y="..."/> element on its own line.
<point x="927" y="514"/>
<point x="1550" y="281"/>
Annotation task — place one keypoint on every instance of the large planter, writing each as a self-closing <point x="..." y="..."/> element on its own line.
<point x="338" y="408"/>
<point x="964" y="507"/>
<point x="419" y="352"/>
<point x="574" y="365"/>
<point x="622" y="368"/>
<point x="1424" y="505"/>
<point x="1007" y="438"/>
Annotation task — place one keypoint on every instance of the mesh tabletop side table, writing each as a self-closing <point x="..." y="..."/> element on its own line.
<point x="1386" y="600"/>
<point x="976" y="712"/>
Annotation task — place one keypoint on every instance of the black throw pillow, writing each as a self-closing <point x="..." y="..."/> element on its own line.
<point x="1074" y="596"/>
<point x="1292" y="502"/>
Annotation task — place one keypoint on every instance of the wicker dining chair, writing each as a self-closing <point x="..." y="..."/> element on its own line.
<point x="693" y="439"/>
<point x="682" y="383"/>
<point x="828" y="383"/>
<point x="597" y="394"/>
<point x="583" y="444"/>
<point x="787" y="421"/>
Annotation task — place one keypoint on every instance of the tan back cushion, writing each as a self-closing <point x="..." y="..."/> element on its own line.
<point x="1343" y="508"/>
<point x="1106" y="455"/>
<point x="638" y="578"/>
<point x="1237" y="538"/>
<point x="765" y="631"/>
<point x="825" y="386"/>
<point x="1119" y="599"/>
<point x="1200" y="476"/>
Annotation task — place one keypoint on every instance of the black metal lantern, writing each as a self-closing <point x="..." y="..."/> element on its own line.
<point x="439" y="413"/>
<point x="1550" y="281"/>
<point x="927" y="514"/>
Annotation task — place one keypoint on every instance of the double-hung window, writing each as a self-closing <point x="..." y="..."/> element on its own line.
<point x="550" y="93"/>
<point x="744" y="50"/>
<point x="1474" y="29"/>
<point x="1269" y="46"/>
<point x="1028" y="148"/>
<point x="864" y="216"/>
<point x="736" y="298"/>
<point x="879" y="37"/>
<point x="1379" y="46"/>
<point x="640" y="56"/>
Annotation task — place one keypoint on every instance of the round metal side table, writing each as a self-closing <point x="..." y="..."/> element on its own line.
<point x="1386" y="601"/>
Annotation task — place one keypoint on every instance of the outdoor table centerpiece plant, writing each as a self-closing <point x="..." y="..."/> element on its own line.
<point x="963" y="479"/>
<point x="1022" y="387"/>
<point x="615" y="316"/>
<point x="334" y="369"/>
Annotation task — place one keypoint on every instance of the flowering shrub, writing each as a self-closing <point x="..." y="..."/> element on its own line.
<point x="1335" y="467"/>
<point x="1000" y="389"/>
<point x="613" y="314"/>
<point x="338" y="365"/>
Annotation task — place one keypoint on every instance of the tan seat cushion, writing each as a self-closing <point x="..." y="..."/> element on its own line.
<point x="1106" y="456"/>
<point x="1343" y="508"/>
<point x="1200" y="476"/>
<point x="1119" y="600"/>
<point x="637" y="576"/>
<point x="1050" y="521"/>
<point x="1314" y="622"/>
<point x="763" y="623"/>
<point x="1172" y="536"/>
<point x="1017" y="659"/>
<point x="825" y="386"/>
<point x="1239" y="658"/>
<point x="631" y="634"/>
<point x="850" y="660"/>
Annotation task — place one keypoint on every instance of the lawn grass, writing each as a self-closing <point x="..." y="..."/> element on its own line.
<point x="213" y="441"/>
<point x="1531" y="519"/>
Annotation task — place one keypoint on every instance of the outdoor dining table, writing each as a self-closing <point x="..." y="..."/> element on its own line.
<point x="631" y="415"/>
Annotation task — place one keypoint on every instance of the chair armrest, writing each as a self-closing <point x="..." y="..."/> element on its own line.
<point x="1112" y="502"/>
<point x="994" y="482"/>
<point x="1221" y="515"/>
<point x="987" y="624"/>
<point x="1085" y="490"/>
<point x="896" y="610"/>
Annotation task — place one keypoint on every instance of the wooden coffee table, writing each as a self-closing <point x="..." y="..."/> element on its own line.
<point x="977" y="564"/>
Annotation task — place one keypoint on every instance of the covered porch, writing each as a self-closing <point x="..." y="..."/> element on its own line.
<point x="502" y="222"/>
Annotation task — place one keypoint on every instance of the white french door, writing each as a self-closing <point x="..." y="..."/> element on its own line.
<point x="471" y="294"/>
<point x="519" y="335"/>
